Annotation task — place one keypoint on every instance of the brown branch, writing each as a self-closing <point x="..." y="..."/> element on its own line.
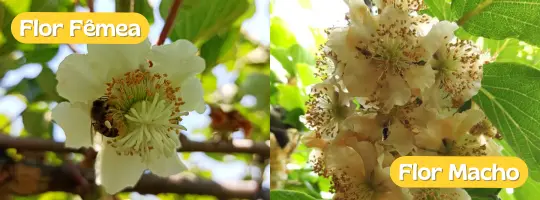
<point x="90" y="5"/>
<point x="236" y="146"/>
<point x="169" y="22"/>
<point x="152" y="184"/>
<point x="45" y="178"/>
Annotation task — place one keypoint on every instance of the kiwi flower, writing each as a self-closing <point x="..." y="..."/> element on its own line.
<point x="148" y="90"/>
<point x="387" y="57"/>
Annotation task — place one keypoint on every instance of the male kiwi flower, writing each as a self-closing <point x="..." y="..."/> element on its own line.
<point x="147" y="90"/>
<point x="386" y="57"/>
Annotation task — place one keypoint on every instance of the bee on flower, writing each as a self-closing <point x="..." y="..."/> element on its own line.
<point x="146" y="90"/>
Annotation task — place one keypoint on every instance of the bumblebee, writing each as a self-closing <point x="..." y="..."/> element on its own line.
<point x="98" y="113"/>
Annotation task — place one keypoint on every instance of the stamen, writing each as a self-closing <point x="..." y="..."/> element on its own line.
<point x="145" y="108"/>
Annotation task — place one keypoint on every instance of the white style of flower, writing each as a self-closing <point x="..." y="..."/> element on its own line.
<point x="148" y="90"/>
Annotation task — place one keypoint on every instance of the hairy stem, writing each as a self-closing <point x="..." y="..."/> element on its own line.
<point x="169" y="22"/>
<point x="479" y="8"/>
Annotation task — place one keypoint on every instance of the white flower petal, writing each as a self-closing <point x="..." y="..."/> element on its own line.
<point x="178" y="60"/>
<point x="420" y="77"/>
<point x="311" y="141"/>
<point x="119" y="58"/>
<point x="361" y="15"/>
<point x="75" y="121"/>
<point x="367" y="151"/>
<point x="78" y="81"/>
<point x="345" y="161"/>
<point x="180" y="49"/>
<point x="439" y="35"/>
<point x="401" y="138"/>
<point x="192" y="93"/>
<point x="337" y="41"/>
<point x="397" y="92"/>
<point x="471" y="117"/>
<point x="167" y="166"/>
<point x="428" y="139"/>
<point x="116" y="172"/>
<point x="361" y="79"/>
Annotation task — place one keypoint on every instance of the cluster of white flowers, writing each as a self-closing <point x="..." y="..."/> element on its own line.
<point x="148" y="89"/>
<point x="393" y="85"/>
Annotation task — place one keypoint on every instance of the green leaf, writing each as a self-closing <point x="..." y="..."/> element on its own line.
<point x="511" y="99"/>
<point x="483" y="193"/>
<point x="291" y="57"/>
<point x="290" y="97"/>
<point x="466" y="106"/>
<point x="219" y="49"/>
<point x="507" y="50"/>
<point x="500" y="19"/>
<point x="47" y="82"/>
<point x="7" y="62"/>
<point x="51" y="6"/>
<point x="199" y="20"/>
<point x="257" y="84"/>
<point x="288" y="194"/>
<point x="18" y="6"/>
<point x="5" y="124"/>
<point x="293" y="118"/>
<point x="36" y="122"/>
<point x="324" y="184"/>
<point x="40" y="53"/>
<point x="6" y="17"/>
<point x="209" y="82"/>
<point x="216" y="156"/>
<point x="523" y="192"/>
<point x="280" y="36"/>
<point x="143" y="8"/>
<point x="122" y="5"/>
<point x="306" y="74"/>
<point x="439" y="8"/>
<point x="526" y="190"/>
<point x="29" y="88"/>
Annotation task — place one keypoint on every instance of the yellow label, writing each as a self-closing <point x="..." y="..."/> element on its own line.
<point x="80" y="28"/>
<point x="459" y="172"/>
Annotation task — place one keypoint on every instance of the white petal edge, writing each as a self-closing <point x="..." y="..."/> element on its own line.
<point x="439" y="35"/>
<point x="119" y="58"/>
<point x="167" y="166"/>
<point x="78" y="81"/>
<point x="192" y="93"/>
<point x="178" y="60"/>
<point x="180" y="49"/>
<point x="75" y="120"/>
<point x="115" y="172"/>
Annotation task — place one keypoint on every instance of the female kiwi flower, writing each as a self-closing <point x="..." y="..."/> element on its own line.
<point x="144" y="91"/>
